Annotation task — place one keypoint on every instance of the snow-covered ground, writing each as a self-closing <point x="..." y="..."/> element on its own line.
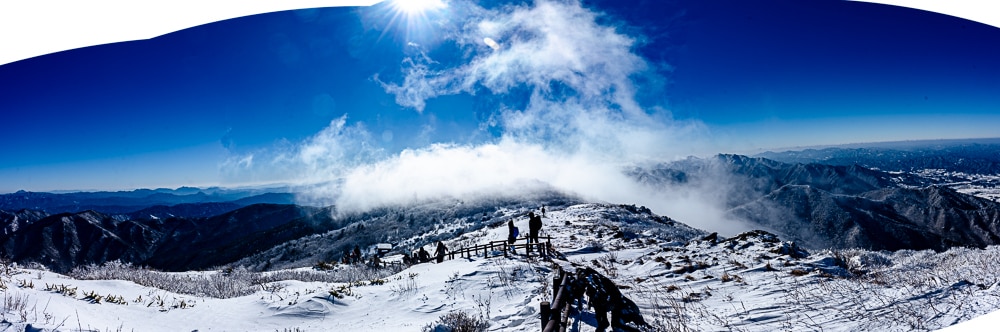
<point x="981" y="185"/>
<point x="750" y="282"/>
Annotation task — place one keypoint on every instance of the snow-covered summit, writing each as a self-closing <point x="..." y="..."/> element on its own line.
<point x="681" y="278"/>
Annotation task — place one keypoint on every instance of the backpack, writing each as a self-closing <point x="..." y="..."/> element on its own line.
<point x="516" y="233"/>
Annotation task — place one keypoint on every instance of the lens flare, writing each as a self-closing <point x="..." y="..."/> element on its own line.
<point x="416" y="7"/>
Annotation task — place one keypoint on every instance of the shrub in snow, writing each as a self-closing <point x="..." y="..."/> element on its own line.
<point x="231" y="282"/>
<point x="594" y="245"/>
<point x="869" y="260"/>
<point x="457" y="321"/>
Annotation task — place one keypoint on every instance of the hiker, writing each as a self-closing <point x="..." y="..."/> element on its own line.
<point x="534" y="226"/>
<point x="347" y="257"/>
<point x="598" y="299"/>
<point x="578" y="288"/>
<point x="440" y="251"/>
<point x="406" y="259"/>
<point x="424" y="256"/>
<point x="511" y="234"/>
<point x="357" y="254"/>
<point x="375" y="262"/>
<point x="543" y="210"/>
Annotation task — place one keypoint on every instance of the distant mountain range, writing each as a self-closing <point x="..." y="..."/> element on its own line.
<point x="262" y="236"/>
<point x="66" y="240"/>
<point x="973" y="156"/>
<point x="184" y="201"/>
<point x="824" y="206"/>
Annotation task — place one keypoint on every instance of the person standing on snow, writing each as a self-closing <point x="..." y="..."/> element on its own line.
<point x="534" y="226"/>
<point x="511" y="234"/>
<point x="440" y="251"/>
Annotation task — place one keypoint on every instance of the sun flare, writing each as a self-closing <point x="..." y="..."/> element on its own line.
<point x="413" y="7"/>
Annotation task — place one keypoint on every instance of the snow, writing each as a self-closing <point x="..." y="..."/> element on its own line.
<point x="679" y="278"/>
<point x="979" y="185"/>
<point x="987" y="322"/>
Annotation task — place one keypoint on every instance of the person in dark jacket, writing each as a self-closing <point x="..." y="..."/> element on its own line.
<point x="423" y="255"/>
<point x="534" y="226"/>
<point x="440" y="251"/>
<point x="598" y="299"/>
<point x="511" y="234"/>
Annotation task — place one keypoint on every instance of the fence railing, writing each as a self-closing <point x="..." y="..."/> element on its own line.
<point x="571" y="283"/>
<point x="506" y="248"/>
<point x="490" y="249"/>
<point x="555" y="314"/>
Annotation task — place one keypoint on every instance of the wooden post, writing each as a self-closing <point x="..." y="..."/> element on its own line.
<point x="544" y="309"/>
<point x="554" y="316"/>
<point x="555" y="287"/>
<point x="558" y="300"/>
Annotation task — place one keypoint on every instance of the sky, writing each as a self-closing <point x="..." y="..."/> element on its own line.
<point x="386" y="99"/>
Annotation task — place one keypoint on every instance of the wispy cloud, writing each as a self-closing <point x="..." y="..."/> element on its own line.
<point x="326" y="156"/>
<point x="579" y="75"/>
<point x="580" y="125"/>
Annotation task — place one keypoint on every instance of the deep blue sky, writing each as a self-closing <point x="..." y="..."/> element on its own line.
<point x="172" y="110"/>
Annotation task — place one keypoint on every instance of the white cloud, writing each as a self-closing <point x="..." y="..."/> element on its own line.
<point x="579" y="128"/>
<point x="325" y="156"/>
<point x="581" y="124"/>
<point x="579" y="73"/>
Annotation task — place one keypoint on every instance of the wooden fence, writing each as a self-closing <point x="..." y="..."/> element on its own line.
<point x="541" y="248"/>
<point x="571" y="283"/>
<point x="489" y="250"/>
<point x="555" y="314"/>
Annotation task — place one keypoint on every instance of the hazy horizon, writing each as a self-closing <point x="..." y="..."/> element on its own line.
<point x="266" y="185"/>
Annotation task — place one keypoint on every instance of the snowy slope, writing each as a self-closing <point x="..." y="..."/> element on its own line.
<point x="750" y="282"/>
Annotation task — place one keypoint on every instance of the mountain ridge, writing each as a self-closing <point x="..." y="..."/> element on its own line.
<point x="840" y="206"/>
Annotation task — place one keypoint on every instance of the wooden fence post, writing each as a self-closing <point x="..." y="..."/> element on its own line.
<point x="554" y="316"/>
<point x="544" y="309"/>
<point x="555" y="287"/>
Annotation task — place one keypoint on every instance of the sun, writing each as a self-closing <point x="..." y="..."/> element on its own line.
<point x="417" y="7"/>
<point x="415" y="20"/>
